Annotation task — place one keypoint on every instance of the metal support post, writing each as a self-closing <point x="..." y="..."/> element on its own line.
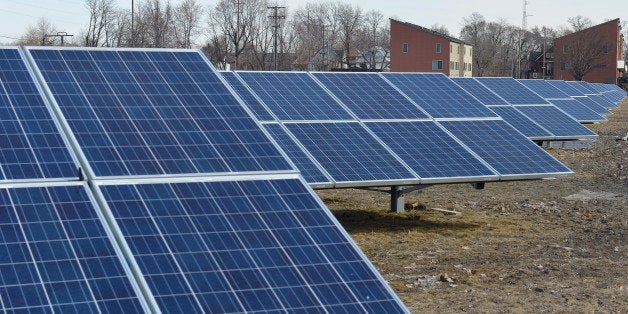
<point x="397" y="199"/>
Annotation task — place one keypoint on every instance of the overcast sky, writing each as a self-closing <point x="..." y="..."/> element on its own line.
<point x="71" y="16"/>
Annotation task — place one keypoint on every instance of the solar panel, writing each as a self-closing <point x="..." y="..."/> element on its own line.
<point x="584" y="88"/>
<point x="602" y="101"/>
<point x="556" y="122"/>
<point x="479" y="91"/>
<point x="438" y="96"/>
<point x="294" y="96"/>
<point x="511" y="90"/>
<point x="432" y="153"/>
<point x="591" y="104"/>
<point x="544" y="89"/>
<point x="57" y="256"/>
<point x="369" y="96"/>
<point x="31" y="144"/>
<point x="350" y="154"/>
<point x="522" y="123"/>
<point x="577" y="110"/>
<point x="258" y="109"/>
<point x="244" y="246"/>
<point x="569" y="89"/>
<point x="155" y="112"/>
<point x="502" y="147"/>
<point x="309" y="169"/>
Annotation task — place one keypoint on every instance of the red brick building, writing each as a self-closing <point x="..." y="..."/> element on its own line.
<point x="600" y="46"/>
<point x="418" y="49"/>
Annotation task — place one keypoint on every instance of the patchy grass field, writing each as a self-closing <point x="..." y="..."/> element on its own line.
<point x="528" y="246"/>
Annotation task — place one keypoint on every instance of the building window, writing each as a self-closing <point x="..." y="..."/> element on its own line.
<point x="470" y="69"/>
<point x="437" y="64"/>
<point x="605" y="48"/>
<point x="404" y="47"/>
<point x="456" y="66"/>
<point x="565" y="49"/>
<point x="438" y="48"/>
<point x="451" y="48"/>
<point x="470" y="52"/>
<point x="565" y="66"/>
<point x="451" y="65"/>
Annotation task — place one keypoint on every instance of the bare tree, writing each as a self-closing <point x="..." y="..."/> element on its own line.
<point x="579" y="23"/>
<point x="102" y="14"/>
<point x="36" y="34"/>
<point x="349" y="19"/>
<point x="440" y="28"/>
<point x="375" y="41"/>
<point x="187" y="18"/>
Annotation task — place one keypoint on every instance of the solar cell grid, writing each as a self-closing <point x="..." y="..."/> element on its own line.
<point x="567" y="88"/>
<point x="543" y="89"/>
<point x="154" y="112"/>
<point x="556" y="122"/>
<point x="511" y="90"/>
<point x="504" y="149"/>
<point x="479" y="91"/>
<point x="433" y="153"/>
<point x="310" y="171"/>
<point x="244" y="246"/>
<point x="260" y="112"/>
<point x="294" y="96"/>
<point x="522" y="123"/>
<point x="31" y="144"/>
<point x="55" y="255"/>
<point x="350" y="154"/>
<point x="369" y="96"/>
<point x="438" y="96"/>
<point x="577" y="110"/>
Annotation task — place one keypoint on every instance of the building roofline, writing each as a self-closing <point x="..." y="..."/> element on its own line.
<point x="435" y="33"/>
<point x="616" y="21"/>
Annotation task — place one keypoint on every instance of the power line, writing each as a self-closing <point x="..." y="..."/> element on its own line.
<point x="276" y="17"/>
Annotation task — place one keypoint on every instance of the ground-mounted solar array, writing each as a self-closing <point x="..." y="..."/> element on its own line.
<point x="503" y="91"/>
<point x="574" y="108"/>
<point x="186" y="203"/>
<point x="31" y="144"/>
<point x="56" y="254"/>
<point x="142" y="113"/>
<point x="374" y="147"/>
<point x="243" y="246"/>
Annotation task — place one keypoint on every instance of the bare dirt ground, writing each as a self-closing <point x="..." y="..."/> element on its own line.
<point x="528" y="246"/>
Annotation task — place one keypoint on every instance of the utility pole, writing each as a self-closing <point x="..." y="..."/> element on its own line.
<point x="276" y="26"/>
<point x="524" y="23"/>
<point x="236" y="38"/>
<point x="58" y="34"/>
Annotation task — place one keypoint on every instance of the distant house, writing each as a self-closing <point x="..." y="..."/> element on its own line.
<point x="541" y="65"/>
<point x="600" y="47"/>
<point x="414" y="48"/>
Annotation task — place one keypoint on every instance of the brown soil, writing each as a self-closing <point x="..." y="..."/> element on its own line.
<point x="527" y="246"/>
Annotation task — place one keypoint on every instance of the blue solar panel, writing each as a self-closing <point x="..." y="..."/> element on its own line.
<point x="31" y="145"/>
<point x="522" y="123"/>
<point x="244" y="246"/>
<point x="567" y="88"/>
<point x="577" y="110"/>
<point x="310" y="171"/>
<point x="349" y="153"/>
<point x="260" y="112"/>
<point x="294" y="96"/>
<point x="591" y="104"/>
<point x="504" y="148"/>
<point x="369" y="96"/>
<point x="438" y="95"/>
<point x="556" y="121"/>
<point x="154" y="112"/>
<point x="511" y="90"/>
<point x="479" y="91"/>
<point x="55" y="255"/>
<point x="544" y="89"/>
<point x="429" y="150"/>
<point x="602" y="101"/>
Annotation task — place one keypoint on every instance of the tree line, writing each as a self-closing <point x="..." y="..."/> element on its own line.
<point x="319" y="36"/>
